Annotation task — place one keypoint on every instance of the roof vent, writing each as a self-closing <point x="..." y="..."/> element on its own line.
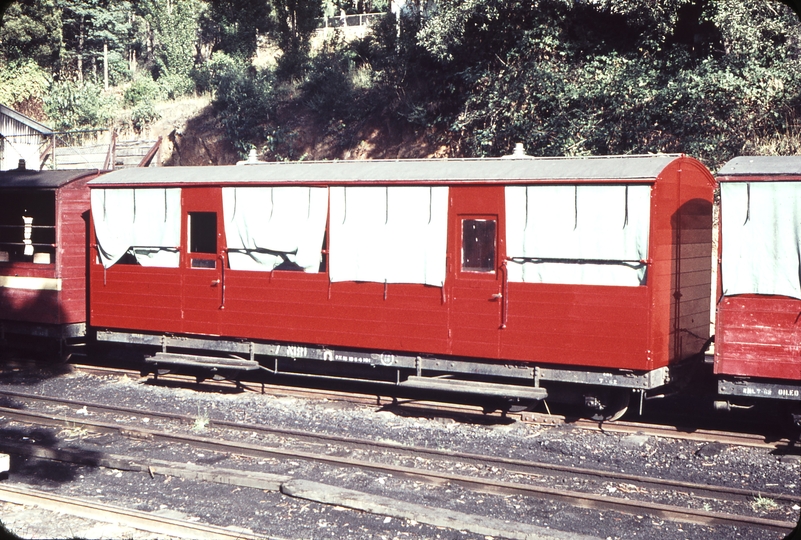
<point x="519" y="152"/>
<point x="252" y="159"/>
<point x="21" y="165"/>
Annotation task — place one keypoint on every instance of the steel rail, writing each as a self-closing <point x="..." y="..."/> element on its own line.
<point x="586" y="500"/>
<point x="677" y="432"/>
<point x="144" y="521"/>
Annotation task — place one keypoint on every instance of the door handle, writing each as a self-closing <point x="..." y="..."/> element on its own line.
<point x="222" y="278"/>
<point x="505" y="295"/>
<point x="496" y="296"/>
<point x="215" y="282"/>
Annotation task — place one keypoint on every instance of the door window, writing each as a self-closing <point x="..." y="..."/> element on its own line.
<point x="478" y="245"/>
<point x="202" y="229"/>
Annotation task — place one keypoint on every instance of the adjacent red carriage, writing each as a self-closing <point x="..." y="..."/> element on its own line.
<point x="43" y="236"/>
<point x="494" y="276"/>
<point x="758" y="324"/>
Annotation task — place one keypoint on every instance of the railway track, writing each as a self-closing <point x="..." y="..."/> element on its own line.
<point x="144" y="521"/>
<point x="679" y="432"/>
<point x="495" y="475"/>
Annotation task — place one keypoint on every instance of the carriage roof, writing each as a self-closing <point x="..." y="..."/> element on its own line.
<point x="485" y="170"/>
<point x="762" y="166"/>
<point x="16" y="179"/>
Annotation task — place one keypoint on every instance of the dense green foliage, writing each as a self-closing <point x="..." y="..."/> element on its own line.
<point x="600" y="77"/>
<point x="21" y="81"/>
<point x="32" y="31"/>
<point x="175" y="27"/>
<point x="78" y="105"/>
<point x="245" y="99"/>
<point x="711" y="78"/>
<point x="232" y="26"/>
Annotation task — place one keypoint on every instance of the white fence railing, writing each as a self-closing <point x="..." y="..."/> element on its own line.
<point x="362" y="19"/>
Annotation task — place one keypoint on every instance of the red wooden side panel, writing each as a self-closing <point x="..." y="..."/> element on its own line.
<point x="578" y="325"/>
<point x="27" y="305"/>
<point x="295" y="307"/>
<point x="759" y="336"/>
<point x="128" y="296"/>
<point x="72" y="207"/>
<point x="681" y="252"/>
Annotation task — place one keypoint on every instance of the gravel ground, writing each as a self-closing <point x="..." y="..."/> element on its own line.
<point x="273" y="514"/>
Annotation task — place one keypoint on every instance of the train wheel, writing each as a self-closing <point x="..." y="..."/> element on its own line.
<point x="607" y="404"/>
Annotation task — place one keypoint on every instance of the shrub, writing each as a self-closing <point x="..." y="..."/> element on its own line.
<point x="72" y="105"/>
<point x="21" y="81"/>
<point x="143" y="114"/>
<point x="328" y="89"/>
<point x="245" y="100"/>
<point x="143" y="88"/>
<point x="174" y="85"/>
<point x="208" y="75"/>
<point x="292" y="64"/>
<point x="119" y="70"/>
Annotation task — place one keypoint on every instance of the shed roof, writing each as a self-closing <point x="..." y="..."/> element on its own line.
<point x="630" y="168"/>
<point x="15" y="179"/>
<point x="30" y="122"/>
<point x="762" y="166"/>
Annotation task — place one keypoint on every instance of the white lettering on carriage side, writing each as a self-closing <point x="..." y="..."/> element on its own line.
<point x="789" y="392"/>
<point x="351" y="359"/>
<point x="296" y="351"/>
<point x="756" y="391"/>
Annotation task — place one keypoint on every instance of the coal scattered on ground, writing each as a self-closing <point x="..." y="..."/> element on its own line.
<point x="270" y="513"/>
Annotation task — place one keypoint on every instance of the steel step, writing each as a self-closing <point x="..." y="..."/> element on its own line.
<point x="202" y="361"/>
<point x="476" y="387"/>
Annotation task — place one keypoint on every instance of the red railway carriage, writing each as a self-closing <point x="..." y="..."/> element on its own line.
<point x="758" y="324"/>
<point x="43" y="236"/>
<point x="524" y="272"/>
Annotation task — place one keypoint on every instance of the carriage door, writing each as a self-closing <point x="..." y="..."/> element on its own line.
<point x="203" y="271"/>
<point x="476" y="248"/>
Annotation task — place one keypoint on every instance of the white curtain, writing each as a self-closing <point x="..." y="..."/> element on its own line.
<point x="392" y="234"/>
<point x="578" y="234"/>
<point x="761" y="232"/>
<point x="269" y="228"/>
<point x="144" y="221"/>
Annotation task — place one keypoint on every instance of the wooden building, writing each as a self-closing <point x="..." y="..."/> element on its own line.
<point x="21" y="138"/>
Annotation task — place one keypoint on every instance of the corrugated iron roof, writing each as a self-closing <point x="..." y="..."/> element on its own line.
<point x="402" y="171"/>
<point x="15" y="179"/>
<point x="30" y="122"/>
<point x="762" y="166"/>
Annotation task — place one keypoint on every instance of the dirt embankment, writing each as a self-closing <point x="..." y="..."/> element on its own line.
<point x="191" y="135"/>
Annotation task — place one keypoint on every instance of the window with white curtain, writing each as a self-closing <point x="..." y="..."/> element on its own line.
<point x="761" y="234"/>
<point x="275" y="228"/>
<point x="143" y="223"/>
<point x="578" y="234"/>
<point x="389" y="234"/>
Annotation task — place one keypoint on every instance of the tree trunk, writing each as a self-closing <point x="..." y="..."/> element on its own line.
<point x="80" y="51"/>
<point x="105" y="66"/>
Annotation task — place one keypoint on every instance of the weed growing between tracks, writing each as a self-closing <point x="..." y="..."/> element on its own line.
<point x="201" y="421"/>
